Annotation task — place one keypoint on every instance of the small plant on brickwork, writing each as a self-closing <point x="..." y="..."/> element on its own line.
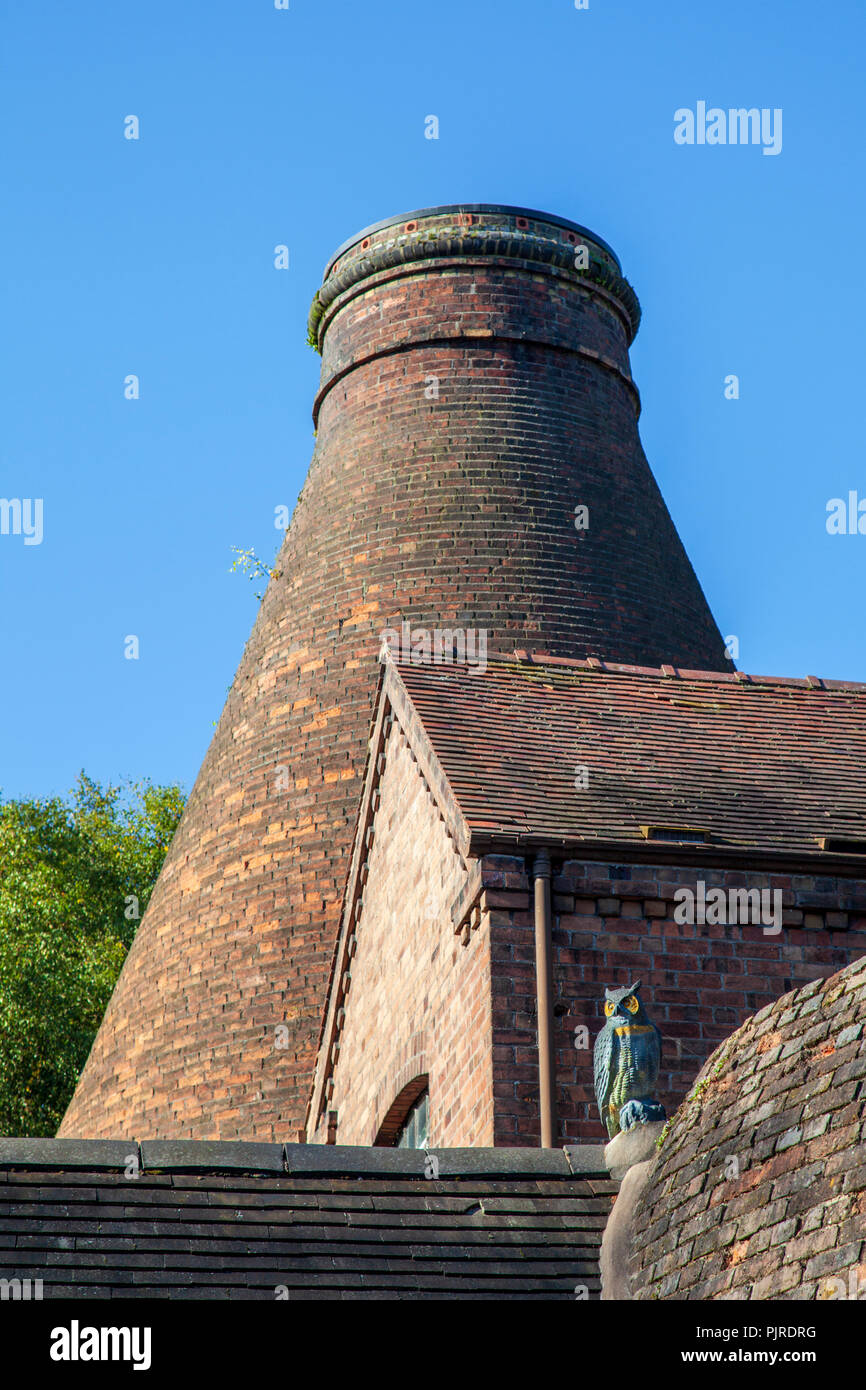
<point x="255" y="569"/>
<point x="697" y="1092"/>
<point x="664" y="1134"/>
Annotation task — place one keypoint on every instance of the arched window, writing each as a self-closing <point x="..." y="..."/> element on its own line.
<point x="406" y="1124"/>
<point x="413" y="1134"/>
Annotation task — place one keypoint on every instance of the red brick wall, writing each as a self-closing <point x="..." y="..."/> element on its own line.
<point x="420" y="998"/>
<point x="458" y="509"/>
<point x="613" y="925"/>
<point x="759" y="1190"/>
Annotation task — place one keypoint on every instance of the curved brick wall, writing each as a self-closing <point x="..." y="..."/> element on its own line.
<point x="760" y="1187"/>
<point x="450" y="510"/>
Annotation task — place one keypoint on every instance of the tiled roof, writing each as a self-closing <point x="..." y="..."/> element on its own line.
<point x="235" y="1220"/>
<point x="755" y="761"/>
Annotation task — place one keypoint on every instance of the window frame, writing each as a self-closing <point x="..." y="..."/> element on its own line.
<point x="400" y="1110"/>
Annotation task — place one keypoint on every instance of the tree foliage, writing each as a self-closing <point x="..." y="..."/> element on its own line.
<point x="75" y="878"/>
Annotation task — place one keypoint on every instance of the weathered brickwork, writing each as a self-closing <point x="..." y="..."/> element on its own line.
<point x="615" y="924"/>
<point x="457" y="508"/>
<point x="759" y="1191"/>
<point x="420" y="995"/>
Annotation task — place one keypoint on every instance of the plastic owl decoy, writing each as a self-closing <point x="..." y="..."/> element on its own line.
<point x="626" y="1062"/>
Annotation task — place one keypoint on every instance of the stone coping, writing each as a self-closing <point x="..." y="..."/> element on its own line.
<point x="446" y="234"/>
<point x="443" y="210"/>
<point x="299" y="1160"/>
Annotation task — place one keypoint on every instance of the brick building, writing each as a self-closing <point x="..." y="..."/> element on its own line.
<point x="689" y="793"/>
<point x="563" y="747"/>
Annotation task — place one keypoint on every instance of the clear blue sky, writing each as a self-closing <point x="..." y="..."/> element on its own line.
<point x="260" y="127"/>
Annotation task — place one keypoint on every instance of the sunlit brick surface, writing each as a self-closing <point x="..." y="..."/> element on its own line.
<point x="420" y="1000"/>
<point x="456" y="509"/>
<point x="760" y="1188"/>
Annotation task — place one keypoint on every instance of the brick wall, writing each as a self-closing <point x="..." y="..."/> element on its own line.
<point x="458" y="509"/>
<point x="613" y="925"/>
<point x="420" y="1001"/>
<point x="420" y="995"/>
<point x="759" y="1191"/>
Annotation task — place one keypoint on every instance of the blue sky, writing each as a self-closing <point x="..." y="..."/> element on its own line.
<point x="260" y="126"/>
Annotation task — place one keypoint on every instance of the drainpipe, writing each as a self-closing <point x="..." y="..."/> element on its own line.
<point x="544" y="991"/>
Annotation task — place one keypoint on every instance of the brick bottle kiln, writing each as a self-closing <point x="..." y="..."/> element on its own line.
<point x="475" y="390"/>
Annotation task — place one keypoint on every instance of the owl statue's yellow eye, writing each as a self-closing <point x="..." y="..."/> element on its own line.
<point x="608" y="1009"/>
<point x="631" y="1004"/>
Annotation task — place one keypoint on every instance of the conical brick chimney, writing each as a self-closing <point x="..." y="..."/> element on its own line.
<point x="475" y="391"/>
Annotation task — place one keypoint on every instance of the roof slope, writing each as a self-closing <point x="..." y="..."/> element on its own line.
<point x="756" y="761"/>
<point x="235" y="1220"/>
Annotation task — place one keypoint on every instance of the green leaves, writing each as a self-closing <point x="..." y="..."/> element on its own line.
<point x="248" y="563"/>
<point x="75" y="878"/>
